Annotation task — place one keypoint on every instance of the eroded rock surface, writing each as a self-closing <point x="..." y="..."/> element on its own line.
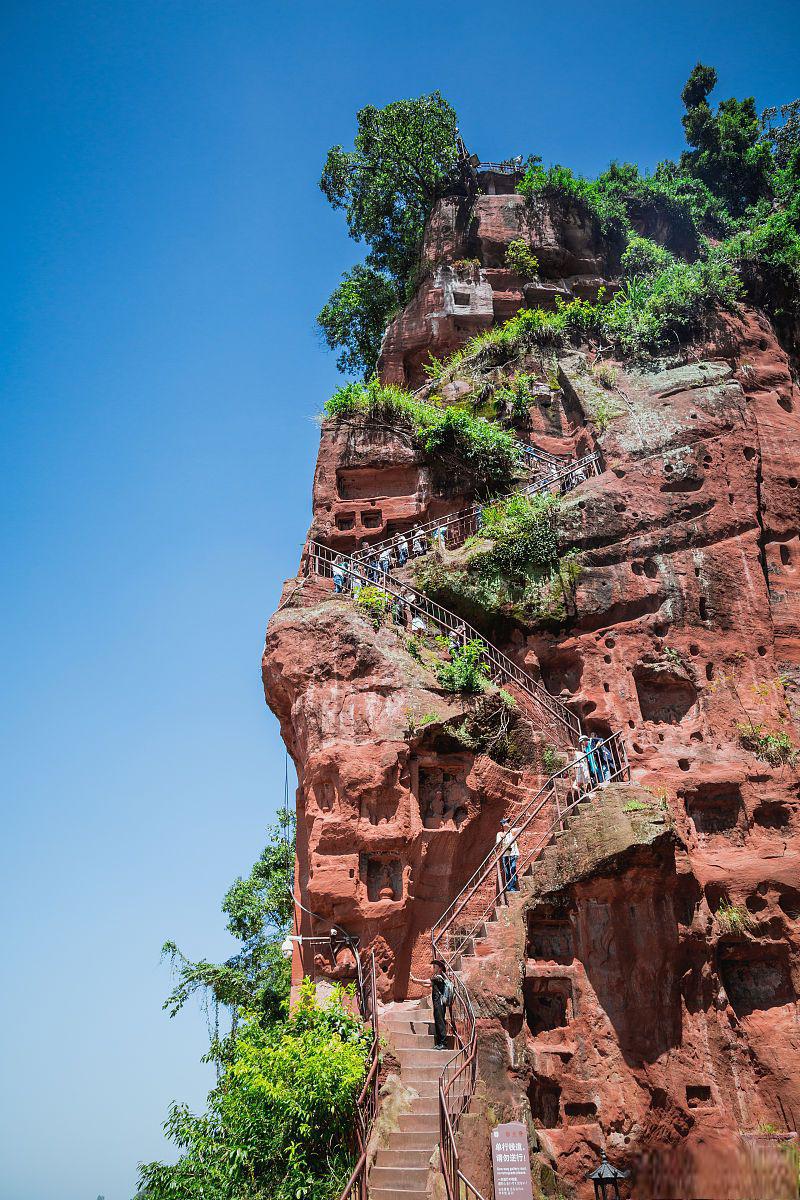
<point x="642" y="994"/>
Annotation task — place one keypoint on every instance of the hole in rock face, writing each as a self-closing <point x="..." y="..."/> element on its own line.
<point x="784" y="402"/>
<point x="544" y="1097"/>
<point x="384" y="878"/>
<point x="714" y="807"/>
<point x="560" y="670"/>
<point x="755" y="904"/>
<point x="367" y="483"/>
<point x="772" y="815"/>
<point x="619" y="473"/>
<point x="461" y="299"/>
<point x="703" y="606"/>
<point x="620" y="507"/>
<point x="697" y="1094"/>
<point x="651" y="568"/>
<point x="696" y="736"/>
<point x="631" y="724"/>
<point x="792" y="483"/>
<point x="749" y="453"/>
<point x="789" y="900"/>
<point x="580" y="1113"/>
<point x="606" y="658"/>
<point x="667" y="468"/>
<point x="442" y="798"/>
<point x="346" y="521"/>
<point x="707" y="460"/>
<point x="372" y="518"/>
<point x="637" y="568"/>
<point x="606" y="688"/>
<point x="762" y="343"/>
<point x="756" y="977"/>
<point x="664" y="698"/>
<point x="610" y="643"/>
<point x="683" y="763"/>
<point x="550" y="936"/>
<point x="786" y="555"/>
<point x="660" y="628"/>
<point x="687" y="897"/>
<point x="639" y="749"/>
<point x="762" y="650"/>
<point x="548" y="1004"/>
<point x="709" y="671"/>
<point x="694" y="650"/>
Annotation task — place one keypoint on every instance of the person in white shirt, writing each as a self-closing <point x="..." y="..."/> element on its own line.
<point x="507" y="841"/>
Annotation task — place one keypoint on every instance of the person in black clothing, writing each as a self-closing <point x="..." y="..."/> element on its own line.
<point x="441" y="996"/>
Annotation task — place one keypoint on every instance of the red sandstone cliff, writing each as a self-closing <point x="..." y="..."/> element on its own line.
<point x="617" y="1007"/>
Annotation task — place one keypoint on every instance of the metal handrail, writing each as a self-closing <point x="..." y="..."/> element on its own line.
<point x="367" y="1103"/>
<point x="460" y="525"/>
<point x="583" y="776"/>
<point x="320" y="560"/>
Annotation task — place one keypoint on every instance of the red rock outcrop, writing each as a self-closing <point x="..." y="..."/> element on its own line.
<point x="642" y="995"/>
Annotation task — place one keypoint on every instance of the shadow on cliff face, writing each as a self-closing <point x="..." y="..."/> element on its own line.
<point x="627" y="941"/>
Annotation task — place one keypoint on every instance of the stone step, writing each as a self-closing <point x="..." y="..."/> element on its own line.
<point x="423" y="1058"/>
<point x="381" y="1193"/>
<point x="427" y="1140"/>
<point x="409" y="1041"/>
<point x="399" y="1179"/>
<point x="417" y="1122"/>
<point x="423" y="1087"/>
<point x="390" y="1157"/>
<point x="423" y="1074"/>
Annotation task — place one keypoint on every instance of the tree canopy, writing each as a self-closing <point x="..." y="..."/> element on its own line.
<point x="403" y="158"/>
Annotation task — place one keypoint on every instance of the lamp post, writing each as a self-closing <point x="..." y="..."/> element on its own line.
<point x="606" y="1179"/>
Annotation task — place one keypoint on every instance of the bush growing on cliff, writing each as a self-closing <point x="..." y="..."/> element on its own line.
<point x="486" y="453"/>
<point x="773" y="747"/>
<point x="278" y="1123"/>
<point x="404" y="157"/>
<point x="467" y="670"/>
<point x="373" y="603"/>
<point x="520" y="259"/>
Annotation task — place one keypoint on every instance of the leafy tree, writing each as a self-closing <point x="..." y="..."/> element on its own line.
<point x="404" y="157"/>
<point x="355" y="316"/>
<point x="729" y="154"/>
<point x="259" y="910"/>
<point x="278" y="1122"/>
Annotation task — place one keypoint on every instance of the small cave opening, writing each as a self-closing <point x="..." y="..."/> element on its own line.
<point x="789" y="902"/>
<point x="665" y="696"/>
<point x="548" y="1003"/>
<point x="697" y="1094"/>
<point x="561" y="670"/>
<point x="786" y="556"/>
<point x="714" y="807"/>
<point x="442" y="798"/>
<point x="345" y="521"/>
<point x="550" y="937"/>
<point x="580" y="1112"/>
<point x="772" y="814"/>
<point x="544" y="1097"/>
<point x="688" y="895"/>
<point x="755" y="977"/>
<point x="384" y="878"/>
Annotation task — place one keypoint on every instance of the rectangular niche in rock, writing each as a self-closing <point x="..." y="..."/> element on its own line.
<point x="372" y="518"/>
<point x="755" y="977"/>
<point x="714" y="807"/>
<point x="548" y="1003"/>
<point x="580" y="1112"/>
<point x="442" y="799"/>
<point x="550" y="937"/>
<point x="698" y="1095"/>
<point x="346" y="520"/>
<point x="384" y="878"/>
<point x="544" y="1097"/>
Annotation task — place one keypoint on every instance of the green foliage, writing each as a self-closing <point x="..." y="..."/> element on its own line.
<point x="520" y="259"/>
<point x="487" y="454"/>
<point x="404" y="157"/>
<point x="356" y="315"/>
<point x="373" y="603"/>
<point x="513" y="402"/>
<point x="775" y="748"/>
<point x="582" y="195"/>
<point x="524" y="530"/>
<point x="732" y="918"/>
<point x="259" y="910"/>
<point x="278" y="1123"/>
<point x="552" y="761"/>
<point x="467" y="670"/>
<point x="634" y="806"/>
<point x="728" y="152"/>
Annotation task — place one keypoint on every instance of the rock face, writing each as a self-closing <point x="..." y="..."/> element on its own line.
<point x="641" y="994"/>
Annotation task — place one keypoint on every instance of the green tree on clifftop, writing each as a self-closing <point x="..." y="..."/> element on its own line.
<point x="403" y="159"/>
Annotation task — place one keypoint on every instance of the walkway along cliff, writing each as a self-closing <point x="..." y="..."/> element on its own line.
<point x="638" y="994"/>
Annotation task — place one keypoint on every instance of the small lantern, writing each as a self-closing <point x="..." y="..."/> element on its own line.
<point x="606" y="1179"/>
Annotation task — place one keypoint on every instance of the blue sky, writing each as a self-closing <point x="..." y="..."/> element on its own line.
<point x="164" y="251"/>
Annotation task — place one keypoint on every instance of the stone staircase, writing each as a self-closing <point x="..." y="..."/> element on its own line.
<point x="400" y="1170"/>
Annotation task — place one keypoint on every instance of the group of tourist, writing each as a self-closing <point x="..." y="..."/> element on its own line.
<point x="595" y="764"/>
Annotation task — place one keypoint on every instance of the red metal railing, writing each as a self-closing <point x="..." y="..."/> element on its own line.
<point x="367" y="1104"/>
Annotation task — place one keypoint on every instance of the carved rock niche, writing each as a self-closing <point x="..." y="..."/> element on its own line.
<point x="442" y="798"/>
<point x="383" y="877"/>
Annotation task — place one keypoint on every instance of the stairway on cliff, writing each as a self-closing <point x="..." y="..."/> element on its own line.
<point x="400" y="1170"/>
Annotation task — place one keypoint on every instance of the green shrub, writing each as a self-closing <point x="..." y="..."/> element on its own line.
<point x="467" y="670"/>
<point x="552" y="761"/>
<point x="520" y="259"/>
<point x="279" y="1121"/>
<point x="777" y="749"/>
<point x="513" y="401"/>
<point x="524" y="530"/>
<point x="373" y="603"/>
<point x="732" y="918"/>
<point x="634" y="806"/>
<point x="486" y="452"/>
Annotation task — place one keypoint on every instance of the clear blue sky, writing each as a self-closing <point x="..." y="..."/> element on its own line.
<point x="164" y="252"/>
